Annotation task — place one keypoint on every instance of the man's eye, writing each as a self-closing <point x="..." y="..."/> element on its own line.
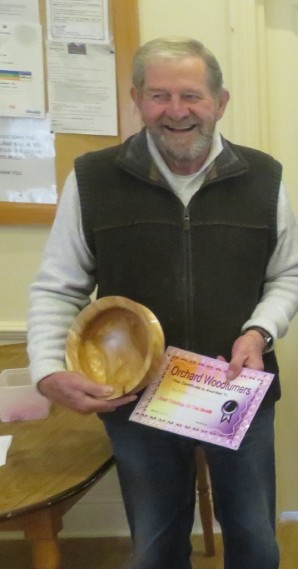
<point x="191" y="97"/>
<point x="160" y="97"/>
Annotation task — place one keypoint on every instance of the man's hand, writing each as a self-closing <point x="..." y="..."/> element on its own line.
<point x="247" y="351"/>
<point x="77" y="392"/>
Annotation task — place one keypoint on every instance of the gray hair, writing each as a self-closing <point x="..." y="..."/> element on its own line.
<point x="174" y="47"/>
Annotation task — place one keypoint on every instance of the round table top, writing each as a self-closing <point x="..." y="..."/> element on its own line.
<point x="49" y="459"/>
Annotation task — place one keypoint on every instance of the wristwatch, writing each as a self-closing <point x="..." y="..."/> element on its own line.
<point x="268" y="339"/>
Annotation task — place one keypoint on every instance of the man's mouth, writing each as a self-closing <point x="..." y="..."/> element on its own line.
<point x="179" y="129"/>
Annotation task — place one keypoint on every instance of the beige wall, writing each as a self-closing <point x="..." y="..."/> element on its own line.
<point x="221" y="24"/>
<point x="282" y="41"/>
<point x="20" y="253"/>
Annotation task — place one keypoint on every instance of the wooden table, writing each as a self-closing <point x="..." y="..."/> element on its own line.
<point x="50" y="465"/>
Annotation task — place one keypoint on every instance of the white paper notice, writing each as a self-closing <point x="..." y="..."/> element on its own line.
<point x="78" y="20"/>
<point x="5" y="442"/>
<point x="27" y="161"/>
<point x="20" y="11"/>
<point x="82" y="88"/>
<point x="21" y="70"/>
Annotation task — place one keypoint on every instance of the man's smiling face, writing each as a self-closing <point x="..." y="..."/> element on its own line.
<point x="180" y="111"/>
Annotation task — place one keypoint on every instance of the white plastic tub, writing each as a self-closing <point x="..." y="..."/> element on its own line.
<point x="20" y="399"/>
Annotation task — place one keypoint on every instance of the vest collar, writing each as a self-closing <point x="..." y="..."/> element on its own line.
<point x="135" y="158"/>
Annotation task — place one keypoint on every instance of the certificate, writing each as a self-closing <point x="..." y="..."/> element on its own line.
<point x="192" y="397"/>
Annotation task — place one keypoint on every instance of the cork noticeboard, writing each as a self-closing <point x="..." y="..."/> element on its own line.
<point x="125" y="25"/>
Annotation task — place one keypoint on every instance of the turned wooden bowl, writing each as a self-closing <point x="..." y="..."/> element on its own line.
<point x="116" y="341"/>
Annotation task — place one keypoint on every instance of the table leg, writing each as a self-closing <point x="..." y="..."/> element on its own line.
<point x="205" y="504"/>
<point x="41" y="530"/>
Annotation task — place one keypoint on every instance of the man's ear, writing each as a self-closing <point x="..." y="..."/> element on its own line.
<point x="135" y="96"/>
<point x="223" y="100"/>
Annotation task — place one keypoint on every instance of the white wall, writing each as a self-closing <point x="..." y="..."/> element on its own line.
<point x="231" y="29"/>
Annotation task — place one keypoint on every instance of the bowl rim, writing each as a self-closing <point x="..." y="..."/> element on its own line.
<point x="106" y="303"/>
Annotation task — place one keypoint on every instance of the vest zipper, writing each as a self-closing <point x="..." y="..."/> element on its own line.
<point x="188" y="292"/>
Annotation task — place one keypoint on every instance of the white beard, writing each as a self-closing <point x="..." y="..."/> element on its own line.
<point x="179" y="151"/>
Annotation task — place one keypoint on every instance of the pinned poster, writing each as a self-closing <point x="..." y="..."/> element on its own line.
<point x="82" y="88"/>
<point x="79" y="21"/>
<point x="21" y="70"/>
<point x="20" y="11"/>
<point x="27" y="161"/>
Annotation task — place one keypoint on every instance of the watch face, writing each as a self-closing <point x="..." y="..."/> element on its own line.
<point x="268" y="340"/>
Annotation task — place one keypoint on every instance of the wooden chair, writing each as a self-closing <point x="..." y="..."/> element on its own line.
<point x="205" y="502"/>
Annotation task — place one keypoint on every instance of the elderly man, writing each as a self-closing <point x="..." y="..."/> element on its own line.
<point x="199" y="230"/>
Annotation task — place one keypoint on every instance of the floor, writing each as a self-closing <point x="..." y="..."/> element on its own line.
<point x="111" y="553"/>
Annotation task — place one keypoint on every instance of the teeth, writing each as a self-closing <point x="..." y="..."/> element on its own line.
<point x="180" y="128"/>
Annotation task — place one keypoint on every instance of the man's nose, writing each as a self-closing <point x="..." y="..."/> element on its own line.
<point x="177" y="108"/>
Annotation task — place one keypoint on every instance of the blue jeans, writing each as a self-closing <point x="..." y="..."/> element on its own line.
<point x="157" y="477"/>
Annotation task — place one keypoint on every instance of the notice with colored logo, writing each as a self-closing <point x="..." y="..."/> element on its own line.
<point x="21" y="70"/>
<point x="192" y="397"/>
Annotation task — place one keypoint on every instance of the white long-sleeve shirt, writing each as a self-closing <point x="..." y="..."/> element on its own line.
<point x="66" y="278"/>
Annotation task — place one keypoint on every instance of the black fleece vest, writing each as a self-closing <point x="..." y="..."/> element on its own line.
<point x="199" y="269"/>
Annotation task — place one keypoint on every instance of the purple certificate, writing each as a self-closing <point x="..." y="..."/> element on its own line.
<point x="192" y="397"/>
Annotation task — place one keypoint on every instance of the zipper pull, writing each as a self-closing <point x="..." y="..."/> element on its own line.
<point x="186" y="223"/>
